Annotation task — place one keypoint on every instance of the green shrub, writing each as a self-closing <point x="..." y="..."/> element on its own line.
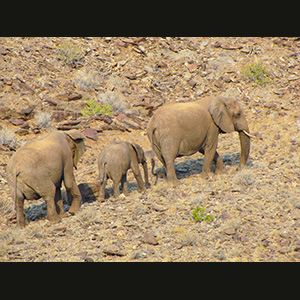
<point x="256" y="72"/>
<point x="198" y="215"/>
<point x="92" y="108"/>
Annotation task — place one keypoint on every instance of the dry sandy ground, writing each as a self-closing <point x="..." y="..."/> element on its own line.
<point x="256" y="212"/>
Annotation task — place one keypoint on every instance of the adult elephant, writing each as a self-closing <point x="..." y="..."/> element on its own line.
<point x="180" y="129"/>
<point x="38" y="168"/>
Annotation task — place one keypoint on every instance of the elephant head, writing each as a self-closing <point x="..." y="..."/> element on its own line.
<point x="228" y="116"/>
<point x="142" y="160"/>
<point x="76" y="142"/>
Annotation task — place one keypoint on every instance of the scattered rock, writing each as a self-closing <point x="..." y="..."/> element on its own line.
<point x="91" y="133"/>
<point x="114" y="251"/>
<point x="69" y="96"/>
<point x="51" y="101"/>
<point x="149" y="239"/>
<point x="229" y="230"/>
<point x="17" y="122"/>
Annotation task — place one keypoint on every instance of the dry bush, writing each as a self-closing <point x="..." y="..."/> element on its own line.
<point x="114" y="98"/>
<point x="244" y="178"/>
<point x="8" y="138"/>
<point x="87" y="217"/>
<point x="87" y="80"/>
<point x="43" y="119"/>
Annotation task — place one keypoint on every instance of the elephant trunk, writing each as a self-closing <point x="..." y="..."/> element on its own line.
<point x="145" y="167"/>
<point x="245" y="147"/>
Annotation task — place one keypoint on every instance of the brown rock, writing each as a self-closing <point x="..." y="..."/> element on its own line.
<point x="69" y="96"/>
<point x="114" y="251"/>
<point x="229" y="230"/>
<point x="150" y="239"/>
<point x="22" y="131"/>
<point x="130" y="75"/>
<point x="17" y="122"/>
<point x="91" y="133"/>
<point x="51" y="101"/>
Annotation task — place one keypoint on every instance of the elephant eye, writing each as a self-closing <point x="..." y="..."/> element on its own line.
<point x="237" y="115"/>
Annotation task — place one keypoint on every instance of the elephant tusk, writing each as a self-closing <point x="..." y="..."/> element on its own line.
<point x="248" y="134"/>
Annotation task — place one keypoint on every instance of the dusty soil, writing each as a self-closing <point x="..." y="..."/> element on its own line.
<point x="44" y="83"/>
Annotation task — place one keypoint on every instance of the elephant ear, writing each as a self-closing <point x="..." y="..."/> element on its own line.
<point x="77" y="145"/>
<point x="220" y="114"/>
<point x="139" y="152"/>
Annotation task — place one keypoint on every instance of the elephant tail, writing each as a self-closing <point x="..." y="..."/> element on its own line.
<point x="15" y="174"/>
<point x="103" y="173"/>
<point x="150" y="133"/>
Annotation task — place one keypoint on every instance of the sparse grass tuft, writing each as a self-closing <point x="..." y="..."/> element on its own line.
<point x="87" y="81"/>
<point x="69" y="53"/>
<point x="43" y="119"/>
<point x="256" y="72"/>
<point x="244" y="178"/>
<point x="115" y="99"/>
<point x="87" y="217"/>
<point x="185" y="237"/>
<point x="8" y="138"/>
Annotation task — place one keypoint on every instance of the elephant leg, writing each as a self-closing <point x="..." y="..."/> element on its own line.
<point x="74" y="194"/>
<point x="169" y="155"/>
<point x="116" y="186"/>
<point x="209" y="152"/>
<point x="59" y="203"/>
<point x="161" y="159"/>
<point x="219" y="163"/>
<point x="19" y="207"/>
<point x="49" y="196"/>
<point x="138" y="176"/>
<point x="124" y="184"/>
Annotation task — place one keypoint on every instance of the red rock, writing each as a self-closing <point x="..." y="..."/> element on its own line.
<point x="121" y="116"/>
<point x="91" y="133"/>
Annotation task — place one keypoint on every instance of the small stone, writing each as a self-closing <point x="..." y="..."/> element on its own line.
<point x="114" y="251"/>
<point x="229" y="230"/>
<point x="17" y="122"/>
<point x="88" y="259"/>
<point x="150" y="239"/>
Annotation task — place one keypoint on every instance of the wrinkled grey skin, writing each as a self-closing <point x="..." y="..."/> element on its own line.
<point x="180" y="129"/>
<point x="115" y="160"/>
<point x="38" y="168"/>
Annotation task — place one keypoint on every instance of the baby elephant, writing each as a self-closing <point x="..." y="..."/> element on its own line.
<point x="38" y="168"/>
<point x="115" y="160"/>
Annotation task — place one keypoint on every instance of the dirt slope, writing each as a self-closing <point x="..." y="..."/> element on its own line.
<point x="44" y="86"/>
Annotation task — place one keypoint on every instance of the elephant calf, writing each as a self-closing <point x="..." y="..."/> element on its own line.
<point x="38" y="168"/>
<point x="115" y="160"/>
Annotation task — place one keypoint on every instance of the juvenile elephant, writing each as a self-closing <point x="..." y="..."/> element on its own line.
<point x="180" y="129"/>
<point x="38" y="168"/>
<point x="115" y="160"/>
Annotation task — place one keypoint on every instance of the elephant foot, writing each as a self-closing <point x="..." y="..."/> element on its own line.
<point x="101" y="199"/>
<point x="54" y="219"/>
<point x="221" y="171"/>
<point x="206" y="175"/>
<point x="173" y="183"/>
<point x="74" y="210"/>
<point x="21" y="224"/>
<point x="63" y="215"/>
<point x="142" y="190"/>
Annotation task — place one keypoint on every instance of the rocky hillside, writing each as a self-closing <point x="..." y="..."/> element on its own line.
<point x="109" y="87"/>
